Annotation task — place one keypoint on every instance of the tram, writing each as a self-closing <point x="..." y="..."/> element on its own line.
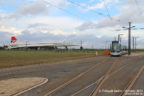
<point x="117" y="49"/>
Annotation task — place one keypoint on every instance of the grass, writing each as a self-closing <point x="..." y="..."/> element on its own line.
<point x="11" y="58"/>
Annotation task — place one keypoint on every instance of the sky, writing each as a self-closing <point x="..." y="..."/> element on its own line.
<point x="94" y="22"/>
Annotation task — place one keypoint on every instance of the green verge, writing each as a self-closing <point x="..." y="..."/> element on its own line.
<point x="12" y="58"/>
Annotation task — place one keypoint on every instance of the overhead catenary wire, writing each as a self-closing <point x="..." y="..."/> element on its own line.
<point x="98" y="13"/>
<point x="71" y="13"/>
<point x="79" y="5"/>
<point x="78" y="16"/>
<point x="106" y="7"/>
<point x="108" y="13"/>
<point x="66" y="11"/>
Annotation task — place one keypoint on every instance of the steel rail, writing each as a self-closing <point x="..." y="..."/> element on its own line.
<point x="73" y="79"/>
<point x="97" y="82"/>
<point x="131" y="83"/>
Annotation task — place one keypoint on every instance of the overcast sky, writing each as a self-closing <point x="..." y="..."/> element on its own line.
<point x="92" y="21"/>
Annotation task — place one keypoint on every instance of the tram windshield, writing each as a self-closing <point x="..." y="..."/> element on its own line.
<point x="115" y="47"/>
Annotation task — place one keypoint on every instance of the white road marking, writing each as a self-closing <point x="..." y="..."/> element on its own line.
<point x="31" y="88"/>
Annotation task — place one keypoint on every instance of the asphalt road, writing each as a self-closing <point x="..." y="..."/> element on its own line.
<point x="99" y="76"/>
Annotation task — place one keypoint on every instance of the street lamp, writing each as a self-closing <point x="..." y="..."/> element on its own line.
<point x="119" y="39"/>
<point x="128" y="28"/>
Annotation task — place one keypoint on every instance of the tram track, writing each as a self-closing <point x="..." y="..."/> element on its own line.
<point x="104" y="79"/>
<point x="101" y="80"/>
<point x="96" y="83"/>
<point x="132" y="82"/>
<point x="107" y="75"/>
<point x="119" y="88"/>
<point x="76" y="77"/>
<point x="88" y="86"/>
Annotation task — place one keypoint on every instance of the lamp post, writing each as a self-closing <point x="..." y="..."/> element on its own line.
<point x="119" y="38"/>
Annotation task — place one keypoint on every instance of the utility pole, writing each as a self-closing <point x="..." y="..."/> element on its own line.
<point x="133" y="43"/>
<point x="81" y="47"/>
<point x="129" y="37"/>
<point x="119" y="38"/>
<point x="136" y="43"/>
<point x="106" y="45"/>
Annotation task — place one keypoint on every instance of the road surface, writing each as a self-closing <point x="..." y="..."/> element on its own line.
<point x="98" y="76"/>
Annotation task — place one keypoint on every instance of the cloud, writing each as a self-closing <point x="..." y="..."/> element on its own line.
<point x="97" y="6"/>
<point x="12" y="30"/>
<point x="39" y="37"/>
<point x="42" y="24"/>
<point x="51" y="24"/>
<point x="45" y="28"/>
<point x="87" y="25"/>
<point x="7" y="2"/>
<point x="37" y="7"/>
<point x="101" y="5"/>
<point x="128" y="12"/>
